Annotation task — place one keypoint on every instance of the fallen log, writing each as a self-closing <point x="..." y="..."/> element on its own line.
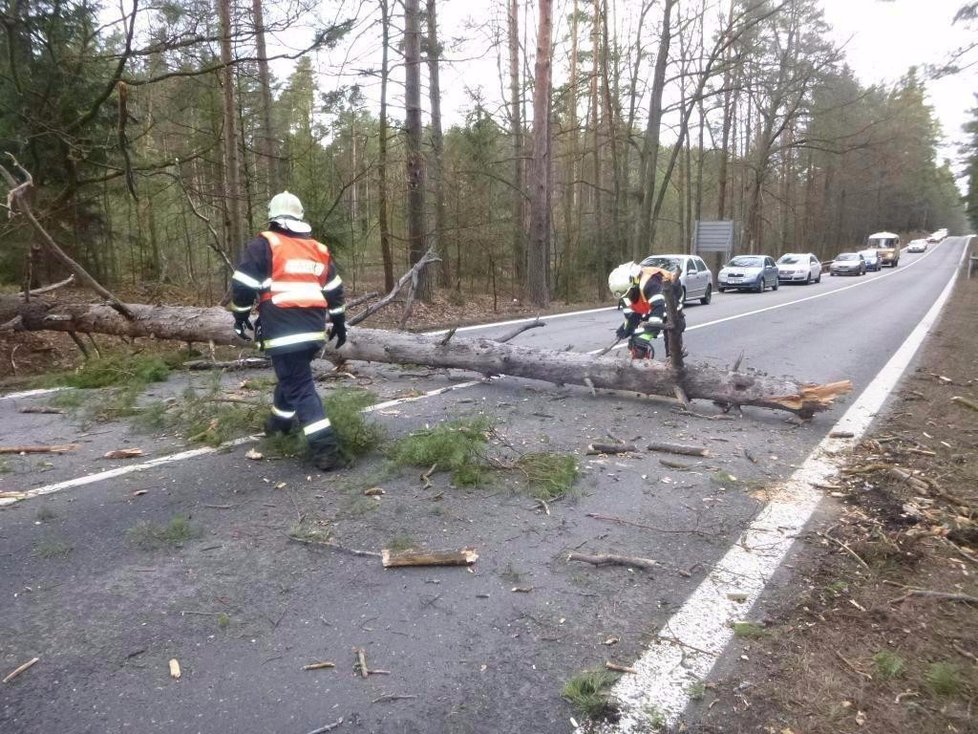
<point x="398" y="559"/>
<point x="487" y="356"/>
<point x="678" y="448"/>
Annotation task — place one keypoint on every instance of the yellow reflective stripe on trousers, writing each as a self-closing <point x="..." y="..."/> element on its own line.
<point x="317" y="426"/>
<point x="284" y="341"/>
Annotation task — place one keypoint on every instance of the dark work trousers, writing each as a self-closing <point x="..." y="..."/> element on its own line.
<point x="296" y="390"/>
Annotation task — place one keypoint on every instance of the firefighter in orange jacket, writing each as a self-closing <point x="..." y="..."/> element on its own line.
<point x="644" y="303"/>
<point x="295" y="281"/>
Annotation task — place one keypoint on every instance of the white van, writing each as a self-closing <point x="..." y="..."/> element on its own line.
<point x="888" y="245"/>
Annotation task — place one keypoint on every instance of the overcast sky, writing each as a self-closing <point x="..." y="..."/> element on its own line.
<point x="884" y="38"/>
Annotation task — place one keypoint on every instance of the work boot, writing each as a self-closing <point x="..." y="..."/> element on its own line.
<point x="324" y="451"/>
<point x="276" y="425"/>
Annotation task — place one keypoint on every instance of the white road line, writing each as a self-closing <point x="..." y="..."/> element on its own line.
<point x="691" y="642"/>
<point x="194" y="453"/>
<point x="33" y="393"/>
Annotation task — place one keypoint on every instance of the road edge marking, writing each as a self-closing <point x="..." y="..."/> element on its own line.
<point x="690" y="643"/>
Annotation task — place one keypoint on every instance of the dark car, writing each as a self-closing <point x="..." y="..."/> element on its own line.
<point x="848" y="263"/>
<point x="873" y="259"/>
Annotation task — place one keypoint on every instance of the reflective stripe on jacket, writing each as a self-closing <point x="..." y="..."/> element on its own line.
<point x="300" y="267"/>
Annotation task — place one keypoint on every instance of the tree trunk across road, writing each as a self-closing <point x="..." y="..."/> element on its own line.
<point x="486" y="356"/>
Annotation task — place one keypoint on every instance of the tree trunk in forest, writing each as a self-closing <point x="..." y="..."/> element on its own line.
<point x="437" y="144"/>
<point x="650" y="147"/>
<point x="486" y="356"/>
<point x="538" y="262"/>
<point x="234" y="239"/>
<point x="415" y="158"/>
<point x="267" y="149"/>
<point x="516" y="134"/>
<point x="382" y="221"/>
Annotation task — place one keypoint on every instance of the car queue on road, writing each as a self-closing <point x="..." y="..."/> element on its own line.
<point x="757" y="273"/>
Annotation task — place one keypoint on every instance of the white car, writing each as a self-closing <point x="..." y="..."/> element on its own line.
<point x="917" y="246"/>
<point x="694" y="276"/>
<point x="795" y="267"/>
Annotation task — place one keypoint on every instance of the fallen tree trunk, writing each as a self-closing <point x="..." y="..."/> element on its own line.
<point x="487" y="356"/>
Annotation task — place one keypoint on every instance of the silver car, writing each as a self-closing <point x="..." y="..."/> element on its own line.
<point x="694" y="276"/>
<point x="749" y="272"/>
<point x="794" y="267"/>
<point x="848" y="263"/>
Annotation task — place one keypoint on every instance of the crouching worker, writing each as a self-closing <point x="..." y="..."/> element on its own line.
<point x="644" y="304"/>
<point x="294" y="279"/>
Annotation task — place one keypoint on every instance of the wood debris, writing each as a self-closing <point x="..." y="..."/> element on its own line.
<point x="19" y="669"/>
<point x="254" y="455"/>
<point x="319" y="666"/>
<point x="39" y="449"/>
<point x="175" y="668"/>
<point x="611" y="448"/>
<point x="411" y="557"/>
<point x="619" y="668"/>
<point x="40" y="409"/>
<point x="614" y="560"/>
<point x="965" y="402"/>
<point x="676" y="448"/>
<point x="122" y="453"/>
<point x="327" y="727"/>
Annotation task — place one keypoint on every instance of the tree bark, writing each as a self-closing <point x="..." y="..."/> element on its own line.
<point x="516" y="134"/>
<point x="415" y="158"/>
<point x="232" y="165"/>
<point x="267" y="147"/>
<point x="437" y="143"/>
<point x="538" y="261"/>
<point x="700" y="382"/>
<point x="382" y="220"/>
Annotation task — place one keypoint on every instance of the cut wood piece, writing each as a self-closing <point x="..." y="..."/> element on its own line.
<point x="122" y="453"/>
<point x="175" y="668"/>
<point x="54" y="449"/>
<point x="611" y="448"/>
<point x="19" y="669"/>
<point x="41" y="409"/>
<point x="361" y="661"/>
<point x="319" y="666"/>
<point x="965" y="402"/>
<point x="678" y="448"/>
<point x="486" y="356"/>
<point x="619" y="668"/>
<point x="395" y="559"/>
<point x="613" y="560"/>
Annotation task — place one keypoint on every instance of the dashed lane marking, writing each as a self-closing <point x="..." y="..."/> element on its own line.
<point x="194" y="453"/>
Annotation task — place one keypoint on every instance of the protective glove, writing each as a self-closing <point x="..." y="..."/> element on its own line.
<point x="623" y="332"/>
<point x="338" y="329"/>
<point x="242" y="324"/>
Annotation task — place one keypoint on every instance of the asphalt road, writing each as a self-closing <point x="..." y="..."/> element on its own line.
<point x="243" y="608"/>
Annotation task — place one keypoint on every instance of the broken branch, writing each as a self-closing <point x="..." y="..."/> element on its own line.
<point x="613" y="560"/>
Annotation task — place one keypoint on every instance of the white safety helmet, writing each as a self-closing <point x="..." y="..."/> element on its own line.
<point x="286" y="211"/>
<point x="619" y="280"/>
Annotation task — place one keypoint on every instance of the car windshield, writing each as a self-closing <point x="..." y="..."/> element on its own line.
<point x="661" y="261"/>
<point x="869" y="254"/>
<point x="789" y="259"/>
<point x="848" y="256"/>
<point x="746" y="262"/>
